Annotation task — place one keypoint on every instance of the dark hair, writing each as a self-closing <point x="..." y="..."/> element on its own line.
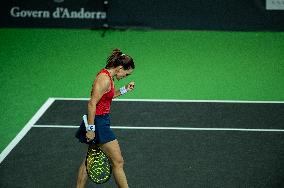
<point x="117" y="58"/>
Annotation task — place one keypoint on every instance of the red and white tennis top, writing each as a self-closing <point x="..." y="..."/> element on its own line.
<point x="103" y="106"/>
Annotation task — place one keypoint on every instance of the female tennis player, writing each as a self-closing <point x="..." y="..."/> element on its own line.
<point x="118" y="66"/>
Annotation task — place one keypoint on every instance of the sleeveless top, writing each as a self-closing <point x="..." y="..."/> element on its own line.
<point x="103" y="106"/>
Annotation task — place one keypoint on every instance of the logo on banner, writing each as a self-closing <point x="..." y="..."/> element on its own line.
<point x="274" y="4"/>
<point x="58" y="13"/>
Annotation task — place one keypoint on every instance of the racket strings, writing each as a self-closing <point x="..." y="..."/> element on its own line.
<point x="98" y="165"/>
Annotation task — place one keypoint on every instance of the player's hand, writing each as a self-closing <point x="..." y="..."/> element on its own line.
<point x="130" y="86"/>
<point x="90" y="135"/>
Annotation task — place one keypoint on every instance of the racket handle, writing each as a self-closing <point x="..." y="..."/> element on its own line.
<point x="85" y="120"/>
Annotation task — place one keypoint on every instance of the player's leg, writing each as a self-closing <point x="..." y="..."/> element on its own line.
<point x="113" y="151"/>
<point x="82" y="176"/>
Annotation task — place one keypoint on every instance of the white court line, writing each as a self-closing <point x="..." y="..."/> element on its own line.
<point x="167" y="128"/>
<point x="178" y="100"/>
<point x="46" y="105"/>
<point x="26" y="129"/>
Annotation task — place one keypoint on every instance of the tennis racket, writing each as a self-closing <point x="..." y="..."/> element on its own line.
<point x="97" y="163"/>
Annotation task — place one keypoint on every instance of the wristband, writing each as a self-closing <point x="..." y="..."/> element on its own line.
<point x="88" y="127"/>
<point x="91" y="128"/>
<point x="123" y="90"/>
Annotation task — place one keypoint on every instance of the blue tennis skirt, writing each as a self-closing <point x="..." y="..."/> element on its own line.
<point x="104" y="133"/>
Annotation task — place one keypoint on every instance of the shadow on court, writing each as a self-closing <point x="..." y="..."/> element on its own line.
<point x="172" y="155"/>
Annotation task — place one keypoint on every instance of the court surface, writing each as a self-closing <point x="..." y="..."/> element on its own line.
<point x="165" y="144"/>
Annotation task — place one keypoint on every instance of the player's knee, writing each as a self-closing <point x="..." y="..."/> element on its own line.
<point x="118" y="163"/>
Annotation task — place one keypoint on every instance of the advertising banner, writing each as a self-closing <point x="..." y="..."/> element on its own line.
<point x="53" y="13"/>
<point x="233" y="15"/>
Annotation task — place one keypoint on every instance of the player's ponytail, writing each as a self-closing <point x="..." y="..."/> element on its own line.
<point x="117" y="58"/>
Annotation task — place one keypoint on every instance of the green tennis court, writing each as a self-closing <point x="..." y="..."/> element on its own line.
<point x="185" y="65"/>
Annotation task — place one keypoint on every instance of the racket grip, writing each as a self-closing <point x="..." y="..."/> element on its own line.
<point x="85" y="120"/>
